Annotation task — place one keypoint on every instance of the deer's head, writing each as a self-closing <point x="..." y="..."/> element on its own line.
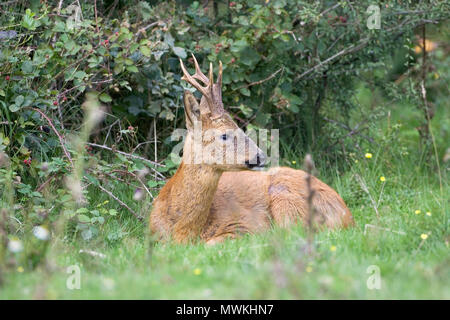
<point x="213" y="137"/>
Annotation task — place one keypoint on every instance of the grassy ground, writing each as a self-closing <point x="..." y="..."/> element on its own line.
<point x="412" y="256"/>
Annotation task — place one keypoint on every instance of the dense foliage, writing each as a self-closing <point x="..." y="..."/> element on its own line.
<point x="283" y="61"/>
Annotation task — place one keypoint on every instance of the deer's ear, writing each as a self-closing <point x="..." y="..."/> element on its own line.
<point x="191" y="109"/>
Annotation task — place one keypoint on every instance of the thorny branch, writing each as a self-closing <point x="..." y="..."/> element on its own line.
<point x="123" y="204"/>
<point x="61" y="140"/>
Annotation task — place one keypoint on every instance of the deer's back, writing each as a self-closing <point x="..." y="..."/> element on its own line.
<point x="249" y="201"/>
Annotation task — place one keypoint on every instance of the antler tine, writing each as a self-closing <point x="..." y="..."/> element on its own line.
<point x="190" y="79"/>
<point x="211" y="74"/>
<point x="212" y="91"/>
<point x="198" y="73"/>
<point x="219" y="78"/>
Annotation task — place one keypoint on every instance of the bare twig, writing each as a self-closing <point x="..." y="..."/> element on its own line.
<point x="155" y="139"/>
<point x="138" y="179"/>
<point x="128" y="155"/>
<point x="96" y="17"/>
<point x="142" y="30"/>
<point x="123" y="204"/>
<point x="362" y="43"/>
<point x="260" y="81"/>
<point x="59" y="7"/>
<point x="421" y="243"/>
<point x="427" y="109"/>
<point x="367" y="226"/>
<point x="63" y="93"/>
<point x="93" y="253"/>
<point x="61" y="140"/>
<point x="329" y="9"/>
<point x="141" y="144"/>
<point x="366" y="190"/>
<point x="356" y="130"/>
<point x="309" y="166"/>
<point x="350" y="49"/>
<point x="9" y="2"/>
<point x="45" y="183"/>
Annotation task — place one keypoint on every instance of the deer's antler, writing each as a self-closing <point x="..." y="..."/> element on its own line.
<point x="211" y="91"/>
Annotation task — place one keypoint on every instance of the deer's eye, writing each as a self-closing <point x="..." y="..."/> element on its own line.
<point x="224" y="137"/>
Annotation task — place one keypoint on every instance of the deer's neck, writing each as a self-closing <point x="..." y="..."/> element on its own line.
<point x="190" y="200"/>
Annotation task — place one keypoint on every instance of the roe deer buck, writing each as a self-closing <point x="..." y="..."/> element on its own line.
<point x="213" y="200"/>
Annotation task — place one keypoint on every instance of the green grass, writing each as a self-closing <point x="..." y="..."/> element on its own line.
<point x="274" y="265"/>
<point x="269" y="265"/>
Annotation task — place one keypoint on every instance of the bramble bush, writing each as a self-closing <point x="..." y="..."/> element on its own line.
<point x="283" y="60"/>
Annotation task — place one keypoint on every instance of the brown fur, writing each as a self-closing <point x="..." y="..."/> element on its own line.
<point x="212" y="201"/>
<point x="197" y="202"/>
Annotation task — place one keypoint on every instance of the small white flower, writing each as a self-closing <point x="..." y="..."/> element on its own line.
<point x="138" y="195"/>
<point x="143" y="172"/>
<point x="15" y="245"/>
<point x="41" y="233"/>
<point x="108" y="283"/>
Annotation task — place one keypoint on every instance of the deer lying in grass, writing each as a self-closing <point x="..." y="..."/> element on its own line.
<point x="211" y="199"/>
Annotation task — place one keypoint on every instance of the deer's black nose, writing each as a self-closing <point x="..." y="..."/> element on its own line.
<point x="258" y="162"/>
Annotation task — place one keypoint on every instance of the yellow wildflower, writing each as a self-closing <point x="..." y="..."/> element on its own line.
<point x="382" y="179"/>
<point x="294" y="162"/>
<point x="424" y="236"/>
<point x="20" y="269"/>
<point x="197" y="271"/>
<point x="368" y="155"/>
<point x="428" y="214"/>
<point x="309" y="269"/>
<point x="417" y="212"/>
<point x="333" y="248"/>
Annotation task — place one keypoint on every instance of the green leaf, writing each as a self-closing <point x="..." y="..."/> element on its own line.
<point x="249" y="56"/>
<point x="118" y="68"/>
<point x="180" y="52"/>
<point x="134" y="47"/>
<point x="245" y="92"/>
<point x="105" y="98"/>
<point x="145" y="51"/>
<point x="83" y="218"/>
<point x="82" y="210"/>
<point x="86" y="234"/>
<point x="293" y="108"/>
<point x="14" y="108"/>
<point x="80" y="75"/>
<point x="19" y="100"/>
<point x="133" y="69"/>
<point x="152" y="183"/>
<point x="28" y="21"/>
<point x="27" y="67"/>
